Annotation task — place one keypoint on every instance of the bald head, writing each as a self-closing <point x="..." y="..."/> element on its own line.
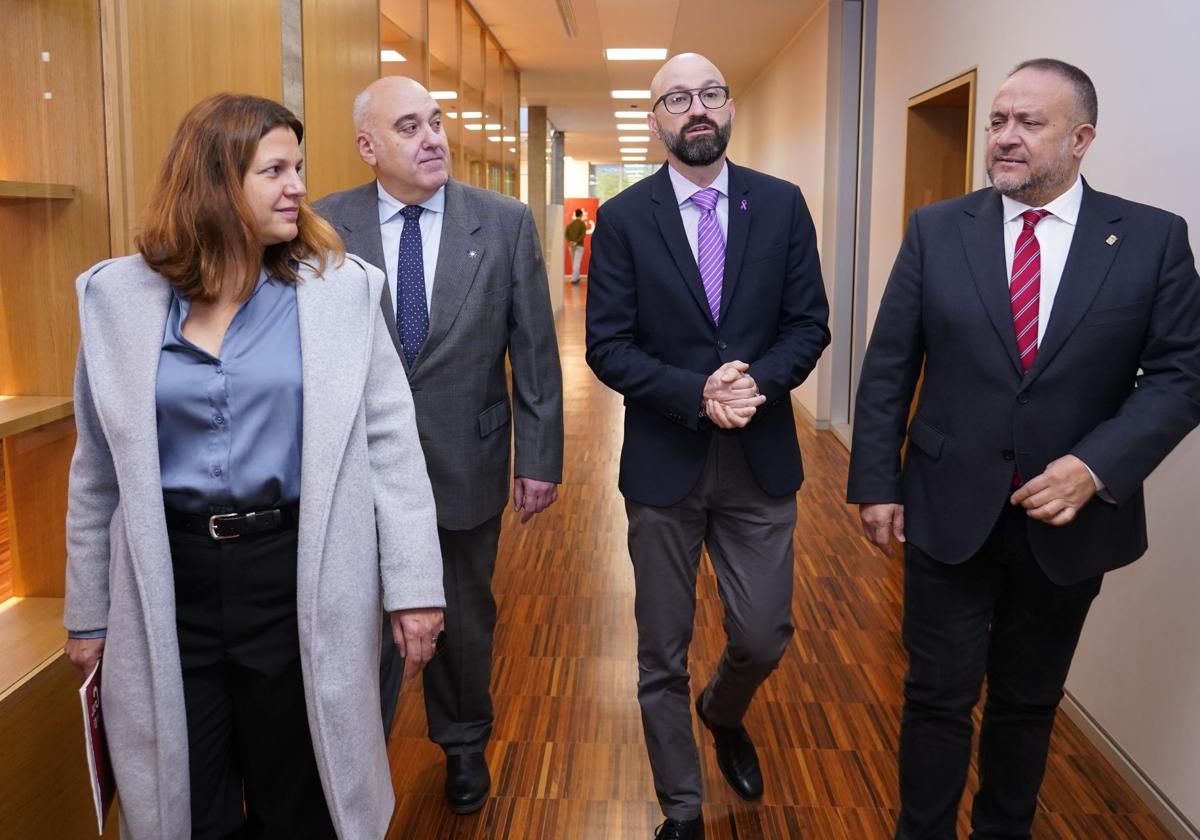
<point x="685" y="71"/>
<point x="385" y="95"/>
<point x="695" y="121"/>
<point x="398" y="132"/>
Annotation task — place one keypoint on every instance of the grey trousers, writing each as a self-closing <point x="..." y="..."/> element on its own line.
<point x="749" y="539"/>
<point x="458" y="699"/>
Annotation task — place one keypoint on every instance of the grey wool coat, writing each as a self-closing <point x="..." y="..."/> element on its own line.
<point x="367" y="538"/>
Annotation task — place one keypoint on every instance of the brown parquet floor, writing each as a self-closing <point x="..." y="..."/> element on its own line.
<point x="566" y="755"/>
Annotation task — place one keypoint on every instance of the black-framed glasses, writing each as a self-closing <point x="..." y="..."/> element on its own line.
<point x="680" y="101"/>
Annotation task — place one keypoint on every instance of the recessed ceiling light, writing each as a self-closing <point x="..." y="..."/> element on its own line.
<point x="631" y="126"/>
<point x="629" y="115"/>
<point x="633" y="138"/>
<point x="452" y="114"/>
<point x="495" y="138"/>
<point x="633" y="150"/>
<point x="510" y="138"/>
<point x="630" y="94"/>
<point x="473" y="126"/>
<point x="391" y="55"/>
<point x="492" y="126"/>
<point x="512" y="150"/>
<point x="444" y="94"/>
<point x="472" y="115"/>
<point x="633" y="158"/>
<point x="637" y="54"/>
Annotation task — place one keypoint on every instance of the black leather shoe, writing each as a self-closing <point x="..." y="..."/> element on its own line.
<point x="736" y="756"/>
<point x="677" y="830"/>
<point x="467" y="782"/>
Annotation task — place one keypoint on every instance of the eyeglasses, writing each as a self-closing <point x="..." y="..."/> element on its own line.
<point x="680" y="101"/>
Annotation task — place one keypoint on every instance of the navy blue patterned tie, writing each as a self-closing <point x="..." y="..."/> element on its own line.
<point x="412" y="312"/>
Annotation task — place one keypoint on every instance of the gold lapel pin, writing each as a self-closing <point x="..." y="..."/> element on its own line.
<point x="474" y="254"/>
<point x="1112" y="239"/>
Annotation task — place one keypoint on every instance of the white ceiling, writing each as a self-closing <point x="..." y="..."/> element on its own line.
<point x="573" y="78"/>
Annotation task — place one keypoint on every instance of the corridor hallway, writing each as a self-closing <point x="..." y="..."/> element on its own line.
<point x="566" y="755"/>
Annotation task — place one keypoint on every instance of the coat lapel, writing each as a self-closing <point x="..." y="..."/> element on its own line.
<point x="336" y="319"/>
<point x="1088" y="263"/>
<point x="460" y="254"/>
<point x="670" y="225"/>
<point x="739" y="232"/>
<point x="982" y="230"/>
<point x="358" y="224"/>
<point x="124" y="316"/>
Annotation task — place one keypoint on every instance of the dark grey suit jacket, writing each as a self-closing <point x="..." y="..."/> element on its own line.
<point x="1116" y="381"/>
<point x="491" y="299"/>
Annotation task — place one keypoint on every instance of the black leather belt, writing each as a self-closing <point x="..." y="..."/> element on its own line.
<point x="230" y="526"/>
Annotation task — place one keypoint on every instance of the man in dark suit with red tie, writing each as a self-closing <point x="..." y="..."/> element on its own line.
<point x="1059" y="333"/>
<point x="705" y="309"/>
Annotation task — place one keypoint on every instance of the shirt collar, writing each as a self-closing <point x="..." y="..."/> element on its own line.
<point x="1065" y="207"/>
<point x="389" y="205"/>
<point x="685" y="189"/>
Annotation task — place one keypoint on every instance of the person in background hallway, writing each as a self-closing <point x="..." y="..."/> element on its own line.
<point x="247" y="494"/>
<point x="575" y="233"/>
<point x="1059" y="332"/>
<point x="705" y="309"/>
<point x="468" y="287"/>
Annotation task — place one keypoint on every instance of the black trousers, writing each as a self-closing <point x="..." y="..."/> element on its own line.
<point x="458" y="699"/>
<point x="250" y="755"/>
<point x="996" y="615"/>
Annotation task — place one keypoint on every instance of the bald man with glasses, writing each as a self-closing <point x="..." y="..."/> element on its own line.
<point x="705" y="309"/>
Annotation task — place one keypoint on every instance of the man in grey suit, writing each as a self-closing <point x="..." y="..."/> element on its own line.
<point x="466" y="287"/>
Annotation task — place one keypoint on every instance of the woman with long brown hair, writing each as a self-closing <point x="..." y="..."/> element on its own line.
<point x="247" y="494"/>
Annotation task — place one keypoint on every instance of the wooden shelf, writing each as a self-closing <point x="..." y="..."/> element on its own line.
<point x="19" y="414"/>
<point x="34" y="189"/>
<point x="31" y="634"/>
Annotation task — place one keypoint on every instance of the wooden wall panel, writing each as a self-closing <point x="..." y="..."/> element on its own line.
<point x="44" y="773"/>
<point x="47" y="242"/>
<point x="36" y="464"/>
<point x="164" y="56"/>
<point x="341" y="57"/>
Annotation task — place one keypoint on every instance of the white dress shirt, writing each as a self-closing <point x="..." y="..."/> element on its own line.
<point x="391" y="224"/>
<point x="1054" y="235"/>
<point x="684" y="189"/>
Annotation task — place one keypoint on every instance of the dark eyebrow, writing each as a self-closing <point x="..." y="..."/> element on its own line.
<point x="405" y="118"/>
<point x="706" y="84"/>
<point x="437" y="112"/>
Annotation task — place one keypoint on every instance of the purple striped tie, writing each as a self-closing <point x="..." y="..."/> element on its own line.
<point x="710" y="249"/>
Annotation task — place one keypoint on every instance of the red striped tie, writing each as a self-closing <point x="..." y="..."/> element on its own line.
<point x="1025" y="289"/>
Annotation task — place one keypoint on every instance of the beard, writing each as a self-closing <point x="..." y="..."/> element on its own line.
<point x="699" y="151"/>
<point x="1030" y="188"/>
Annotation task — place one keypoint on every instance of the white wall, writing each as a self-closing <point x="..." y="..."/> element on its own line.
<point x="1137" y="672"/>
<point x="575" y="178"/>
<point x="779" y="128"/>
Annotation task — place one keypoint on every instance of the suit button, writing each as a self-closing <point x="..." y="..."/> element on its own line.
<point x="721" y="345"/>
<point x="1023" y="399"/>
<point x="1008" y="454"/>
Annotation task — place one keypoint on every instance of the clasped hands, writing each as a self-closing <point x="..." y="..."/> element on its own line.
<point x="731" y="398"/>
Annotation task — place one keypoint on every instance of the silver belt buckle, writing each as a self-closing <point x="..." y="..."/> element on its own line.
<point x="212" y="526"/>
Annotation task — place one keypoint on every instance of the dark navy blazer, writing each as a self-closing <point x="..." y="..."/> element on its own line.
<point x="652" y="338"/>
<point x="1116" y="381"/>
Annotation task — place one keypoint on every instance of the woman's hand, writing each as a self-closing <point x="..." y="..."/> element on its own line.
<point x="415" y="634"/>
<point x="84" y="654"/>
